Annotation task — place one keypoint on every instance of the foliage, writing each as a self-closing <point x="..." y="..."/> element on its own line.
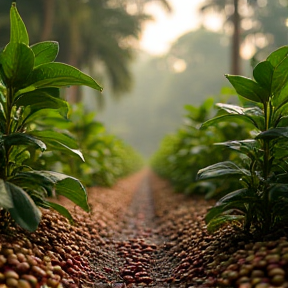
<point x="266" y="29"/>
<point x="98" y="35"/>
<point x="181" y="155"/>
<point x="107" y="158"/>
<point x="262" y="201"/>
<point x="29" y="89"/>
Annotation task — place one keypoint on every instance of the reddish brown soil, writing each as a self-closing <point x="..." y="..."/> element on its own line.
<point x="139" y="233"/>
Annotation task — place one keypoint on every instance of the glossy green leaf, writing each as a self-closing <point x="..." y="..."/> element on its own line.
<point x="263" y="74"/>
<point x="243" y="195"/>
<point x="226" y="168"/>
<point x="62" y="210"/>
<point x="218" y="222"/>
<point x="280" y="78"/>
<point x="19" y="154"/>
<point x="24" y="211"/>
<point x="278" y="191"/>
<point x="35" y="96"/>
<point x="59" y="75"/>
<point x="277" y="56"/>
<point x="23" y="139"/>
<point x="251" y="115"/>
<point x="248" y="88"/>
<point x="45" y="52"/>
<point x="33" y="180"/>
<point x="41" y="99"/>
<point x="52" y="118"/>
<point x="230" y="118"/>
<point x="244" y="146"/>
<point x="58" y="141"/>
<point x="273" y="133"/>
<point x="5" y="196"/>
<point x="70" y="188"/>
<point x="280" y="101"/>
<point x="234" y="109"/>
<point x="17" y="62"/>
<point x="228" y="208"/>
<point x="18" y="31"/>
<point x="56" y="136"/>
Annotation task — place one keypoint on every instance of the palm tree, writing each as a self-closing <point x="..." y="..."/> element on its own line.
<point x="220" y="5"/>
<point x="96" y="35"/>
<point x="269" y="20"/>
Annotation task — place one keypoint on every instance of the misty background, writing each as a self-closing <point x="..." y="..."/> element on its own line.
<point x="143" y="93"/>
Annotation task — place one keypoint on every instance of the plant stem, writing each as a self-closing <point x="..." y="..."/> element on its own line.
<point x="8" y="110"/>
<point x="266" y="168"/>
<point x="8" y="127"/>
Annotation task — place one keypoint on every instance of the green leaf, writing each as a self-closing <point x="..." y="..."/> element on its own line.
<point x="45" y="52"/>
<point x="246" y="147"/>
<point x="5" y="196"/>
<point x="58" y="75"/>
<point x="59" y="141"/>
<point x="278" y="192"/>
<point x="230" y="118"/>
<point x="234" y="109"/>
<point x="280" y="101"/>
<point x="42" y="99"/>
<point x="19" y="154"/>
<point x="218" y="222"/>
<point x="248" y="88"/>
<point x="70" y="188"/>
<point x="263" y="74"/>
<point x="243" y="195"/>
<point x="62" y="210"/>
<point x="24" y="211"/>
<point x="277" y="56"/>
<point x="273" y="133"/>
<point x="231" y="109"/>
<point x="280" y="78"/>
<point x="34" y="180"/>
<point x="251" y="115"/>
<point x="18" y="32"/>
<point x="17" y="62"/>
<point x="23" y="139"/>
<point x="226" y="168"/>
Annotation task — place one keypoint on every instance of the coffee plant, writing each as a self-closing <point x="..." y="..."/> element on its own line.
<point x="262" y="201"/>
<point x="29" y="89"/>
<point x="107" y="158"/>
<point x="183" y="153"/>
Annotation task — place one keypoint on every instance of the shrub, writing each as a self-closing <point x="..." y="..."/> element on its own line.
<point x="29" y="85"/>
<point x="262" y="201"/>
<point x="107" y="158"/>
<point x="183" y="153"/>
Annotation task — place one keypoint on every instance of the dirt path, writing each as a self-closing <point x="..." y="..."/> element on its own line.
<point x="139" y="234"/>
<point x="136" y="250"/>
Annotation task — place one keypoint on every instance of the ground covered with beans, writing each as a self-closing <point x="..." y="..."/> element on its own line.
<point x="139" y="233"/>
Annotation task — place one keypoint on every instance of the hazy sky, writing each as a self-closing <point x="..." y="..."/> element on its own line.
<point x="159" y="34"/>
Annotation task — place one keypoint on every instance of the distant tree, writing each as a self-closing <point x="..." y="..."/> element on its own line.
<point x="234" y="17"/>
<point x="270" y="27"/>
<point x="266" y="19"/>
<point x="97" y="35"/>
<point x="140" y="4"/>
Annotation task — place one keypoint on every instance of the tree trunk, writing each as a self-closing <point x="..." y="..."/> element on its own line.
<point x="235" y="55"/>
<point x="73" y="93"/>
<point x="48" y="9"/>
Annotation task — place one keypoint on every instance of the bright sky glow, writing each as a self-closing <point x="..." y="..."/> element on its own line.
<point x="161" y="33"/>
